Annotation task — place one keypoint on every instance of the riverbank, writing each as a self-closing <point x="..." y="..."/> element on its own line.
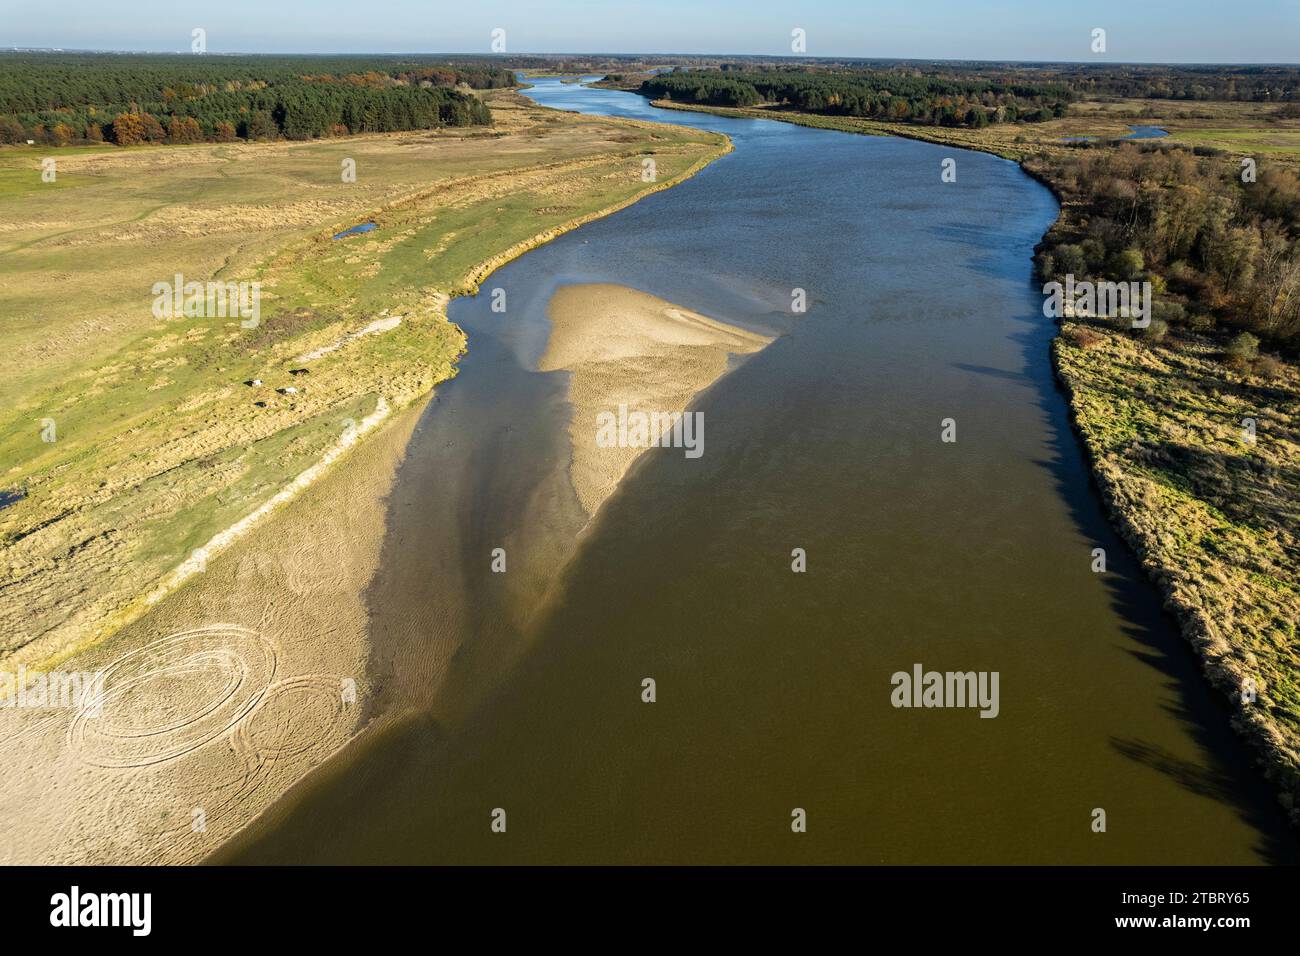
<point x="1199" y="466"/>
<point x="1006" y="141"/>
<point x="222" y="697"/>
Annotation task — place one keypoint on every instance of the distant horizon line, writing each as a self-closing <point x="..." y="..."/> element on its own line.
<point x="652" y="54"/>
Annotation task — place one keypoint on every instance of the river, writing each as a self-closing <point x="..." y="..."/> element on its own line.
<point x="774" y="687"/>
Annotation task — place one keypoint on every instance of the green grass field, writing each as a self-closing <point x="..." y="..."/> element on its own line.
<point x="1245" y="141"/>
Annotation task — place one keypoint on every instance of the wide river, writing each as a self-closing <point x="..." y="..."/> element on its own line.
<point x="773" y="688"/>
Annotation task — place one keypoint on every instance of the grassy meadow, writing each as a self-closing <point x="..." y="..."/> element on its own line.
<point x="132" y="440"/>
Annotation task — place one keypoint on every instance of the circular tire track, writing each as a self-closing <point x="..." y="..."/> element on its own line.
<point x="294" y="717"/>
<point x="172" y="696"/>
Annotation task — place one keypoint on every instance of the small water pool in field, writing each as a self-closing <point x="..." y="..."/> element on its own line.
<point x="363" y="227"/>
<point x="9" y="496"/>
<point x="1139" y="132"/>
<point x="1146" y="132"/>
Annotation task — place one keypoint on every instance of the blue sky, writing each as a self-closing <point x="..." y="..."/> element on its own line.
<point x="1246" y="31"/>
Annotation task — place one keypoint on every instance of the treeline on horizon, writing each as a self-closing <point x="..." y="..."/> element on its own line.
<point x="1240" y="82"/>
<point x="1221" y="254"/>
<point x="128" y="99"/>
<point x="1256" y="84"/>
<point x="967" y="94"/>
<point x="896" y="95"/>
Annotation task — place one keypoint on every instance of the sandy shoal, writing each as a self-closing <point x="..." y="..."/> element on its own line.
<point x="626" y="347"/>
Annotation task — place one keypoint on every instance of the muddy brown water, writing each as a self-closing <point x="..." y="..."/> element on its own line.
<point x="524" y="689"/>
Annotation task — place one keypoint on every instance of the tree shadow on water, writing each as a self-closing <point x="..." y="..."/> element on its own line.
<point x="1211" y="782"/>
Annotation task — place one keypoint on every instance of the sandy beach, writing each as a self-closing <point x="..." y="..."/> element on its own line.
<point x="626" y="348"/>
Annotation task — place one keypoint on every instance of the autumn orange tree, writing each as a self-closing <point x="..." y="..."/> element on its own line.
<point x="128" y="129"/>
<point x="184" y="129"/>
<point x="153" y="131"/>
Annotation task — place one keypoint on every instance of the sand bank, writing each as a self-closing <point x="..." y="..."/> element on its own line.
<point x="221" y="697"/>
<point x="627" y="348"/>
